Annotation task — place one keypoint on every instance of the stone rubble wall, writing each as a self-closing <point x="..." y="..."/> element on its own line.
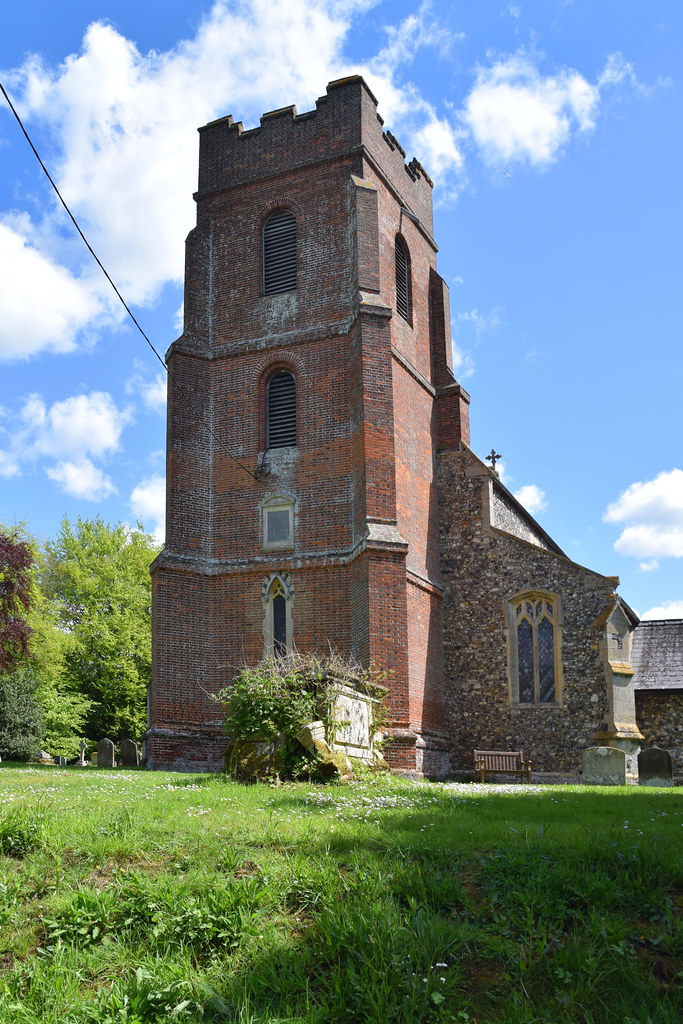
<point x="483" y="568"/>
<point x="660" y="718"/>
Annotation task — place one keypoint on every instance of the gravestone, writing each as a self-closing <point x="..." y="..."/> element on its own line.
<point x="81" y="763"/>
<point x="93" y="759"/>
<point x="130" y="755"/>
<point x="603" y="766"/>
<point x="61" y="761"/>
<point x="105" y="754"/>
<point x="655" y="767"/>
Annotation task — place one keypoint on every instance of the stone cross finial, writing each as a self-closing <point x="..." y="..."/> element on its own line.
<point x="493" y="459"/>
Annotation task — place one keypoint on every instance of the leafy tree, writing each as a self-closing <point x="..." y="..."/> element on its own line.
<point x="64" y="709"/>
<point x="97" y="575"/>
<point x="16" y="563"/>
<point x="21" y="722"/>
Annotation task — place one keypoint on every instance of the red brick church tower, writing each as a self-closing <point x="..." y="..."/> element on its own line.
<point x="309" y="395"/>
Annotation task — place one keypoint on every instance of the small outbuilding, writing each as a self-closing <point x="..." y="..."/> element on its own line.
<point x="657" y="657"/>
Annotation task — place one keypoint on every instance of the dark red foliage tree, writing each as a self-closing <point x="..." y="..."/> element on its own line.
<point x="16" y="561"/>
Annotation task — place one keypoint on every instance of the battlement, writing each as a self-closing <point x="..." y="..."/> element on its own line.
<point x="344" y="125"/>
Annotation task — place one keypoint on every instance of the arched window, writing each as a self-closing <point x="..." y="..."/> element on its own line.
<point x="278" y="598"/>
<point x="279" y="253"/>
<point x="534" y="623"/>
<point x="404" y="301"/>
<point x="281" y="410"/>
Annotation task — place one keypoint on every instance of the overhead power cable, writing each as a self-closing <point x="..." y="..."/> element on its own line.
<point x="120" y="297"/>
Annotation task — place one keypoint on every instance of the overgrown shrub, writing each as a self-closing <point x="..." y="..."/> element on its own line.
<point x="276" y="699"/>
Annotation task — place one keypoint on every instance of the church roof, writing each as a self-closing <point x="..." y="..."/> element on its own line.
<point x="657" y="654"/>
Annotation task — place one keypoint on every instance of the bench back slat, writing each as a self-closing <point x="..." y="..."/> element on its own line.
<point x="500" y="760"/>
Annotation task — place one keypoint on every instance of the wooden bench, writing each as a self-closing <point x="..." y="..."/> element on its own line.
<point x="501" y="762"/>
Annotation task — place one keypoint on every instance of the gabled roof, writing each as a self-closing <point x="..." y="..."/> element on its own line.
<point x="657" y="654"/>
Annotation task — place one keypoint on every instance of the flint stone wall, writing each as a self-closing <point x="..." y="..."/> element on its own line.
<point x="483" y="568"/>
<point x="660" y="717"/>
<point x="506" y="517"/>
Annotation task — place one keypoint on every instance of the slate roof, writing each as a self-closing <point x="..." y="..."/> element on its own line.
<point x="657" y="654"/>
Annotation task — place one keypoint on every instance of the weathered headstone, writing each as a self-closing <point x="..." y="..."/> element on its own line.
<point x="61" y="761"/>
<point x="130" y="755"/>
<point x="655" y="767"/>
<point x="603" y="766"/>
<point x="81" y="763"/>
<point x="93" y="759"/>
<point x="105" y="754"/>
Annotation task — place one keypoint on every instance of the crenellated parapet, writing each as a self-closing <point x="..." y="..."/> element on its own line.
<point x="344" y="124"/>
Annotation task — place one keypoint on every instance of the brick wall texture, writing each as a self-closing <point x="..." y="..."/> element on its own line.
<point x="394" y="559"/>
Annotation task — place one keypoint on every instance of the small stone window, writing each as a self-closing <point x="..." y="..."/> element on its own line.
<point x="278" y="522"/>
<point x="279" y="253"/>
<point x="404" y="299"/>
<point x="281" y="410"/>
<point x="534" y="635"/>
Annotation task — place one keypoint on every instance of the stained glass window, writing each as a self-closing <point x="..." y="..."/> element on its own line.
<point x="279" y="626"/>
<point x="536" y="638"/>
<point x="525" y="648"/>
<point x="276" y="619"/>
<point x="546" y="662"/>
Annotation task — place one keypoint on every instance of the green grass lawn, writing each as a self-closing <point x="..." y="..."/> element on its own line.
<point x="136" y="897"/>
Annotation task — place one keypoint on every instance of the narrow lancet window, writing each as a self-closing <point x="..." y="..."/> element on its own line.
<point x="281" y="411"/>
<point x="279" y="253"/>
<point x="403" y="286"/>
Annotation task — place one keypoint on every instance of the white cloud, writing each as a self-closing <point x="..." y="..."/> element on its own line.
<point x="532" y="497"/>
<point x="148" y="504"/>
<point x="121" y="124"/>
<point x="72" y="432"/>
<point x="668" y="610"/>
<point x="653" y="510"/>
<point x="122" y="127"/>
<point x="43" y="305"/>
<point x="617" y="70"/>
<point x="437" y="145"/>
<point x="152" y="392"/>
<point x="9" y="465"/>
<point x="463" y="363"/>
<point x="82" y="425"/>
<point x="82" y="479"/>
<point x="649" y="566"/>
<point x="481" y="322"/>
<point x="516" y="114"/>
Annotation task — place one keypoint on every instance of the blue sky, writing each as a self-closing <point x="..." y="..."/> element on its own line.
<point x="553" y="131"/>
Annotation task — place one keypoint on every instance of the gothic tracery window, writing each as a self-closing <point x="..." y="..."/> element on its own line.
<point x="277" y="625"/>
<point x="535" y="643"/>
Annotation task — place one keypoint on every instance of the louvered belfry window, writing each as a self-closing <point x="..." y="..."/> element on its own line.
<point x="281" y="410"/>
<point x="279" y="253"/>
<point x="403" y="296"/>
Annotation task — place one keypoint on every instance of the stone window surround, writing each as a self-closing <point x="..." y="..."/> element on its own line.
<point x="513" y="680"/>
<point x="274" y="584"/>
<point x="280" y="502"/>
